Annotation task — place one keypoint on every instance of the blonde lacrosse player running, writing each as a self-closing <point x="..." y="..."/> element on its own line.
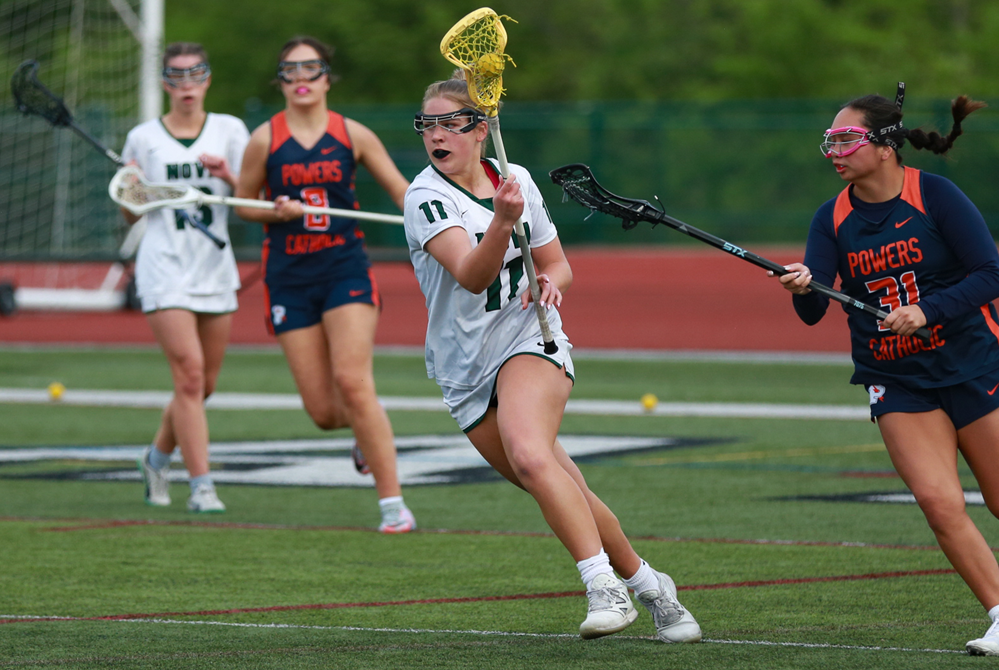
<point x="485" y="350"/>
<point x="186" y="284"/>
<point x="323" y="301"/>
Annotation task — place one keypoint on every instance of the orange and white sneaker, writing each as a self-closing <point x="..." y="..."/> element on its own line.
<point x="396" y="518"/>
<point x="360" y="463"/>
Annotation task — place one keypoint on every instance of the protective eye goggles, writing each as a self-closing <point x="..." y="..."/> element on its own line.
<point x="844" y="141"/>
<point x="462" y="121"/>
<point x="174" y="77"/>
<point x="309" y="70"/>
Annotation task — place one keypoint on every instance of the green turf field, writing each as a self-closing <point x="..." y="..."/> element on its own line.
<point x="742" y="512"/>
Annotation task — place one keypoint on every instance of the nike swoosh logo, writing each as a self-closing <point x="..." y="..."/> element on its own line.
<point x="994" y="389"/>
<point x="326" y="150"/>
<point x="899" y="225"/>
<point x="354" y="294"/>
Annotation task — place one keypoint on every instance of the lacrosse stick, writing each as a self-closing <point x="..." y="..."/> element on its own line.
<point x="578" y="183"/>
<point x="130" y="189"/>
<point x="33" y="98"/>
<point x="475" y="44"/>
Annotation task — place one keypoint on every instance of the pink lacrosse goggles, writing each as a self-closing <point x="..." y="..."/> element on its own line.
<point x="844" y="141"/>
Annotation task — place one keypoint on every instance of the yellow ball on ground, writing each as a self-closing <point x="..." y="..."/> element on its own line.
<point x="56" y="390"/>
<point x="649" y="402"/>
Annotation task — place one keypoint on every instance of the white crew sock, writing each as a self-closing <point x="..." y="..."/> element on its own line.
<point x="643" y="580"/>
<point x="589" y="568"/>
<point x="994" y="612"/>
<point x="390" y="501"/>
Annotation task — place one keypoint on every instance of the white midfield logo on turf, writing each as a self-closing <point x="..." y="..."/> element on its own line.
<point x="424" y="459"/>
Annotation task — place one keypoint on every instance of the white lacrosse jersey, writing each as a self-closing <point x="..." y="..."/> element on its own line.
<point x="469" y="336"/>
<point x="174" y="256"/>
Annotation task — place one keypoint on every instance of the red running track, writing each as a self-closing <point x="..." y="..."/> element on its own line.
<point x="657" y="299"/>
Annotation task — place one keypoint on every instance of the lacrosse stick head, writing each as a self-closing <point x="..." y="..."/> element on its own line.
<point x="130" y="190"/>
<point x="33" y="98"/>
<point x="475" y="44"/>
<point x="579" y="184"/>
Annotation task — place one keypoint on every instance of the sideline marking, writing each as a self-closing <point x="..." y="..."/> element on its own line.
<point x="9" y="619"/>
<point x="417" y="351"/>
<point x="501" y="633"/>
<point x="292" y="401"/>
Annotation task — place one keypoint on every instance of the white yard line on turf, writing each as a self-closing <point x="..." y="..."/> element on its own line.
<point x="680" y="355"/>
<point x="494" y="633"/>
<point x="256" y="401"/>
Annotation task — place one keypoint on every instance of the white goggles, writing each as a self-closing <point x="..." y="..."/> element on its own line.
<point x="174" y="76"/>
<point x="462" y="121"/>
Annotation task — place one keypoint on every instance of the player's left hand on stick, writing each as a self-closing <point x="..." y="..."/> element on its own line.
<point x="218" y="166"/>
<point x="508" y="203"/>
<point x="550" y="295"/>
<point x="906" y="320"/>
<point x="287" y="209"/>
<point x="797" y="279"/>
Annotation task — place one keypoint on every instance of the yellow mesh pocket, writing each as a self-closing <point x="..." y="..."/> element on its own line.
<point x="476" y="45"/>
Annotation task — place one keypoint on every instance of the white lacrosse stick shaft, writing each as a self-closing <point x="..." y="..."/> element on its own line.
<point x="129" y="180"/>
<point x="525" y="246"/>
<point x="204" y="198"/>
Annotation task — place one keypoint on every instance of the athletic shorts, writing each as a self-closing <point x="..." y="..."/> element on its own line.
<point x="219" y="303"/>
<point x="291" y="308"/>
<point x="964" y="403"/>
<point x="468" y="406"/>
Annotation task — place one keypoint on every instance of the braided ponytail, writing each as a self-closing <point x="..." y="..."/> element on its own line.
<point x="960" y="108"/>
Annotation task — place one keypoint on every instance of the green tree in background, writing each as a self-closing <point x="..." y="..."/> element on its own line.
<point x="716" y="106"/>
<point x="387" y="50"/>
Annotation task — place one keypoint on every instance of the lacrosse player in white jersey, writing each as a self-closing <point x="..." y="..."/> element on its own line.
<point x="186" y="284"/>
<point x="485" y="350"/>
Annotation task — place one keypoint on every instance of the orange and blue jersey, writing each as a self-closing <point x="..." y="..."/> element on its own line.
<point x="315" y="247"/>
<point x="930" y="246"/>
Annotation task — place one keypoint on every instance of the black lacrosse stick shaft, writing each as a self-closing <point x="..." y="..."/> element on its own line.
<point x="33" y="98"/>
<point x="578" y="182"/>
<point x="200" y="225"/>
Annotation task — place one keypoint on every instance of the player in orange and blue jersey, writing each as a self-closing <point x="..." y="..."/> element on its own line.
<point x="313" y="248"/>
<point x="322" y="298"/>
<point x="915" y="245"/>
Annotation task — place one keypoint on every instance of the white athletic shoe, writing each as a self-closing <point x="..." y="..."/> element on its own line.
<point x="986" y="645"/>
<point x="397" y="519"/>
<point x="610" y="608"/>
<point x="673" y="622"/>
<point x="204" y="500"/>
<point x="156" y="482"/>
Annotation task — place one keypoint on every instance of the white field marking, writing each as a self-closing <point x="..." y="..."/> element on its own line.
<point x="970" y="498"/>
<point x="257" y="401"/>
<point x="675" y="355"/>
<point x="492" y="633"/>
<point x="422" y="459"/>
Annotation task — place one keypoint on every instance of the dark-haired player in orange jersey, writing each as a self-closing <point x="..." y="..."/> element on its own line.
<point x="914" y="245"/>
<point x="322" y="299"/>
